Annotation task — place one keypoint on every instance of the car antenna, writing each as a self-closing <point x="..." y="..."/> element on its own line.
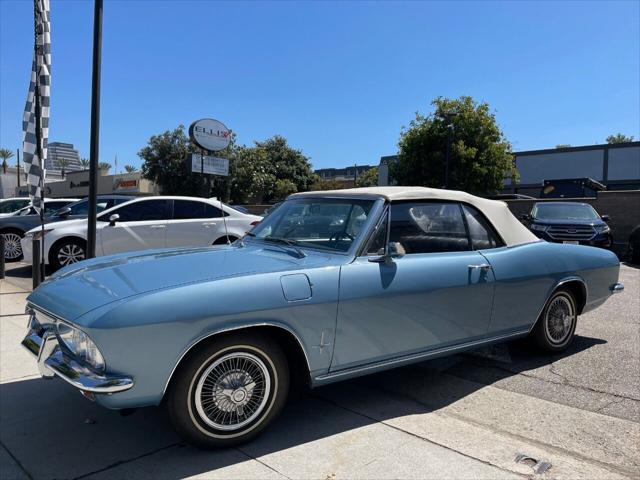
<point x="224" y="220"/>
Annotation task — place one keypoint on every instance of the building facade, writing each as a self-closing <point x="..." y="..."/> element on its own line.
<point x="616" y="166"/>
<point x="57" y="151"/>
<point x="347" y="174"/>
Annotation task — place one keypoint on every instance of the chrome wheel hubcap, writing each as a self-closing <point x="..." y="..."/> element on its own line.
<point x="12" y="247"/>
<point x="559" y="319"/>
<point x="233" y="391"/>
<point x="70" y="253"/>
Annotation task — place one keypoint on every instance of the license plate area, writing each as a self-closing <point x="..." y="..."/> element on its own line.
<point x="572" y="242"/>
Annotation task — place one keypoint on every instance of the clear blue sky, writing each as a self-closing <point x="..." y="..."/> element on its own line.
<point x="338" y="80"/>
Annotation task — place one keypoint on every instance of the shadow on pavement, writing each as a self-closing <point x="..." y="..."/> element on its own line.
<point x="55" y="433"/>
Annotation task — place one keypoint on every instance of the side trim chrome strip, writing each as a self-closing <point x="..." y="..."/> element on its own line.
<point x="419" y="356"/>
<point x="231" y="329"/>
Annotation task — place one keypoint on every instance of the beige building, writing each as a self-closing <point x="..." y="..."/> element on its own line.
<point x="76" y="184"/>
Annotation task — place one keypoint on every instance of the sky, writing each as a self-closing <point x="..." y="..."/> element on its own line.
<point x="338" y="79"/>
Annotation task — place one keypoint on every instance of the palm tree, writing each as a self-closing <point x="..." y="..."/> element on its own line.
<point x="85" y="163"/>
<point x="63" y="163"/>
<point x="104" y="166"/>
<point x="130" y="168"/>
<point x="5" y="154"/>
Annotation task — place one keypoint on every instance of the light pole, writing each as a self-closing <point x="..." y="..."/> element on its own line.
<point x="448" y="116"/>
<point x="95" y="129"/>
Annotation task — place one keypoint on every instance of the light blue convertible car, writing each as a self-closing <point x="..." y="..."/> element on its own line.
<point x="330" y="286"/>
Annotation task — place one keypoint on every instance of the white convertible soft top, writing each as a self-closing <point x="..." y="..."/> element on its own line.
<point x="512" y="231"/>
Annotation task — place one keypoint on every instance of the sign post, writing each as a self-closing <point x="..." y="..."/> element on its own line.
<point x="211" y="136"/>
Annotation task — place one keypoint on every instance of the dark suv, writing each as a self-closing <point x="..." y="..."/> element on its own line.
<point x="569" y="222"/>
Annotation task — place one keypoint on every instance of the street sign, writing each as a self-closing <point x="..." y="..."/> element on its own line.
<point x="210" y="134"/>
<point x="212" y="165"/>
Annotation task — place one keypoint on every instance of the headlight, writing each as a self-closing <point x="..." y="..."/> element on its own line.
<point x="81" y="346"/>
<point x="37" y="234"/>
<point x="602" y="228"/>
<point x="539" y="228"/>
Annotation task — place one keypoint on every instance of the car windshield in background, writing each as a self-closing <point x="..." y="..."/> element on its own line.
<point x="331" y="224"/>
<point x="564" y="211"/>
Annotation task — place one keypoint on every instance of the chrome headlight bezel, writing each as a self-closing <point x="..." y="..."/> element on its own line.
<point x="81" y="346"/>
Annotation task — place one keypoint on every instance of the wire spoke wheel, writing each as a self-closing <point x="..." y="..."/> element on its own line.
<point x="12" y="247"/>
<point x="70" y="253"/>
<point x="233" y="391"/>
<point x="559" y="319"/>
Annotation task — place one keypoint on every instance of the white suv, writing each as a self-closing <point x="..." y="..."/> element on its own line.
<point x="144" y="223"/>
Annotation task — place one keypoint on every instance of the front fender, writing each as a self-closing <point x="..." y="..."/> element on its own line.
<point x="146" y="336"/>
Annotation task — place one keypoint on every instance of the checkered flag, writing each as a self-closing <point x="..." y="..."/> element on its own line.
<point x="34" y="154"/>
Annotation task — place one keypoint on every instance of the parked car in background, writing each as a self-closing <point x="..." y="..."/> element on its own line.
<point x="11" y="205"/>
<point x="218" y="334"/>
<point x="14" y="226"/>
<point x="571" y="188"/>
<point x="634" y="246"/>
<point x="569" y="222"/>
<point x="144" y="223"/>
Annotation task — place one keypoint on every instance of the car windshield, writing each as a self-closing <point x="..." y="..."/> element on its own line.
<point x="330" y="224"/>
<point x="564" y="211"/>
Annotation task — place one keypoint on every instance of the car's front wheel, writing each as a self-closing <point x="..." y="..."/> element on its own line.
<point x="557" y="323"/>
<point x="67" y="251"/>
<point x="228" y="390"/>
<point x="12" y="247"/>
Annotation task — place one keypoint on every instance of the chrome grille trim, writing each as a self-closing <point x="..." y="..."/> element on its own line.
<point x="571" y="232"/>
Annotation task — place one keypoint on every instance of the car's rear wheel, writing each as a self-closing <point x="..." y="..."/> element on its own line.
<point x="557" y="323"/>
<point x="67" y="251"/>
<point x="228" y="391"/>
<point x="12" y="247"/>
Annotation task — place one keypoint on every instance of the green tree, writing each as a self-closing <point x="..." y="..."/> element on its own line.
<point x="130" y="168"/>
<point x="164" y="162"/>
<point x="85" y="163"/>
<point x="286" y="163"/>
<point x="368" y="178"/>
<point x="320" y="184"/>
<point x="480" y="155"/>
<point x="283" y="188"/>
<point x="104" y="166"/>
<point x="252" y="178"/>
<point x="619" y="138"/>
<point x="5" y="154"/>
<point x="63" y="163"/>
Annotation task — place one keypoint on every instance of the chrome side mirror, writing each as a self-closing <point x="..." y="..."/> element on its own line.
<point x="393" y="250"/>
<point x="113" y="219"/>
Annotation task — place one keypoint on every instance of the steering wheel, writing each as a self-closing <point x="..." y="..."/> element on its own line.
<point x="336" y="237"/>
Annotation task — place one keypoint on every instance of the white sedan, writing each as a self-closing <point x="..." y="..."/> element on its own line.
<point x="144" y="223"/>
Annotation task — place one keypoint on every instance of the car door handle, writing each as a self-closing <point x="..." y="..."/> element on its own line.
<point x="209" y="224"/>
<point x="157" y="226"/>
<point x="482" y="266"/>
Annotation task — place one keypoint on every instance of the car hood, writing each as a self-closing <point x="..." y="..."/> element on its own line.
<point x="82" y="287"/>
<point x="568" y="221"/>
<point x="79" y="223"/>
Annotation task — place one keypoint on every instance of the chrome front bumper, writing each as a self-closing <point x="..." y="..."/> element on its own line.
<point x="617" y="288"/>
<point x="42" y="342"/>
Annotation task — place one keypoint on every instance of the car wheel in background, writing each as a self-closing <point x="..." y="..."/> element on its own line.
<point x="12" y="247"/>
<point x="228" y="390"/>
<point x="556" y="326"/>
<point x="67" y="251"/>
<point x="223" y="240"/>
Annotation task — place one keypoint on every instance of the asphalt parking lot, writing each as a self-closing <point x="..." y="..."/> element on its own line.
<point x="465" y="416"/>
